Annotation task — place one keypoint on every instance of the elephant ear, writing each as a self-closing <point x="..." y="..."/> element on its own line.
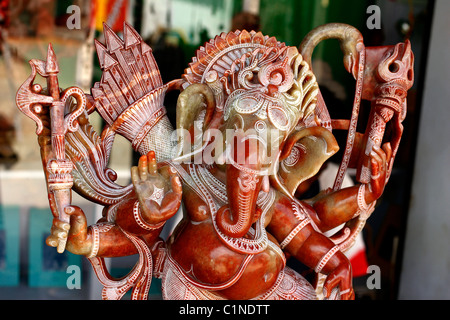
<point x="304" y="153"/>
<point x="195" y="105"/>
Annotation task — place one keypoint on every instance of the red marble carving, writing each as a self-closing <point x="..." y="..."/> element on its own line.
<point x="264" y="129"/>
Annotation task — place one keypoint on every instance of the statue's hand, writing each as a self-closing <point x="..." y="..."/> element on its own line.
<point x="379" y="159"/>
<point x="75" y="232"/>
<point x="340" y="277"/>
<point x="159" y="196"/>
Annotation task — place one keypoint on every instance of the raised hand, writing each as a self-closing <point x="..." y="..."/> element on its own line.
<point x="379" y="161"/>
<point x="159" y="194"/>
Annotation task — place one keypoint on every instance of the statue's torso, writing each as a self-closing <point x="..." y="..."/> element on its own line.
<point x="207" y="262"/>
<point x="211" y="261"/>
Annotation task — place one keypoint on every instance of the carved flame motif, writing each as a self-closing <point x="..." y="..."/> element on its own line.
<point x="130" y="95"/>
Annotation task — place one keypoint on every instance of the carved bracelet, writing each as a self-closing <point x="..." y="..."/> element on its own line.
<point x="325" y="259"/>
<point x="96" y="229"/>
<point x="293" y="233"/>
<point x="362" y="205"/>
<point x="141" y="222"/>
<point x="95" y="241"/>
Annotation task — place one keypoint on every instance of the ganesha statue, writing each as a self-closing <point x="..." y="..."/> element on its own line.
<point x="251" y="128"/>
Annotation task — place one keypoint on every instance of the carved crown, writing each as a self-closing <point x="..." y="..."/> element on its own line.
<point x="252" y="64"/>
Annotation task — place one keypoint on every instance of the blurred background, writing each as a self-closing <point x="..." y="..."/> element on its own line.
<point x="406" y="237"/>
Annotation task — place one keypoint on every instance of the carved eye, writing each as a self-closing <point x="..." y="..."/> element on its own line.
<point x="247" y="105"/>
<point x="295" y="155"/>
<point x="278" y="117"/>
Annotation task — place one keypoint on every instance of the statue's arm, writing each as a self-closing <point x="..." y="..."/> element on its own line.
<point x="103" y="239"/>
<point x="291" y="226"/>
<point x="142" y="212"/>
<point x="331" y="209"/>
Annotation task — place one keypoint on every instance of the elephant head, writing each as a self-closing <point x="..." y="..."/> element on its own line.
<point x="260" y="104"/>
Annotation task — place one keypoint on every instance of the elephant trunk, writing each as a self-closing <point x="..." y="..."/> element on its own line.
<point x="244" y="182"/>
<point x="351" y="42"/>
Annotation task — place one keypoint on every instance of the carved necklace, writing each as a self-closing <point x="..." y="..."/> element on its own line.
<point x="213" y="192"/>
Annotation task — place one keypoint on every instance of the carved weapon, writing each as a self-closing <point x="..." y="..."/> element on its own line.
<point x="383" y="76"/>
<point x="389" y="76"/>
<point x="50" y="109"/>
